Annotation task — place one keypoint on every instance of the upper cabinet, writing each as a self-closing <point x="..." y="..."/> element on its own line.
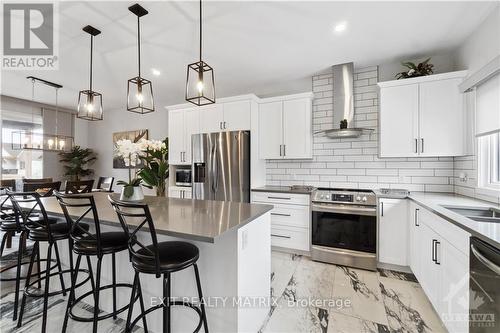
<point x="181" y="125"/>
<point x="423" y="116"/>
<point x="230" y="116"/>
<point x="285" y="127"/>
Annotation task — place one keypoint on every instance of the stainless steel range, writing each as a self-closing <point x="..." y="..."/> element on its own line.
<point x="344" y="227"/>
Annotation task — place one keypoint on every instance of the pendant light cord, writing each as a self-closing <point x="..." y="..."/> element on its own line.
<point x="32" y="101"/>
<point x="57" y="114"/>
<point x="139" y="44"/>
<point x="201" y="33"/>
<point x="91" y="57"/>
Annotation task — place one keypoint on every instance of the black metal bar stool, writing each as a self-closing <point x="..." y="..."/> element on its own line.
<point x="90" y="244"/>
<point x="162" y="258"/>
<point x="41" y="228"/>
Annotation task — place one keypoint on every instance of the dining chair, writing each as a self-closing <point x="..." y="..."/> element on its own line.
<point x="78" y="186"/>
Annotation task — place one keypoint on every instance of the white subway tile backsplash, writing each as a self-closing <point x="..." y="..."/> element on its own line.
<point x="354" y="162"/>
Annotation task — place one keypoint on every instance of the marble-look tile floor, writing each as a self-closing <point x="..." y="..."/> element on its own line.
<point x="308" y="297"/>
<point x="323" y="298"/>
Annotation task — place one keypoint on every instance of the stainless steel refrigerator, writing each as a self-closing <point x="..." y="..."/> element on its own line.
<point x="221" y="166"/>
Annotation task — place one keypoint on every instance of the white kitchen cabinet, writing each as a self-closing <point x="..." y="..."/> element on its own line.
<point x="230" y="116"/>
<point x="423" y="116"/>
<point x="180" y="192"/>
<point x="439" y="259"/>
<point x="399" y="119"/>
<point x="441" y="118"/>
<point x="270" y="130"/>
<point x="290" y="219"/>
<point x="285" y="127"/>
<point x="211" y="118"/>
<point x="181" y="125"/>
<point x="393" y="232"/>
<point x="237" y="116"/>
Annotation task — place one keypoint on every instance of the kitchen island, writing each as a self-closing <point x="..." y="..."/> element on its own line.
<point x="235" y="261"/>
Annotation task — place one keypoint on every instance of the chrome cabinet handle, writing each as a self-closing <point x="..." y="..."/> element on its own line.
<point x="416" y="145"/>
<point x="437" y="253"/>
<point x="422" y="146"/>
<point x="280" y="198"/>
<point x="381" y="208"/>
<point x="416" y="217"/>
<point x="224" y="125"/>
<point x="280" y="214"/>
<point x="281" y="154"/>
<point x="284" y="150"/>
<point x="280" y="236"/>
<point x="434" y="250"/>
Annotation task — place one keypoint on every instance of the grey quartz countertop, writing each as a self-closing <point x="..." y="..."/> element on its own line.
<point x="200" y="220"/>
<point x="283" y="189"/>
<point x="488" y="232"/>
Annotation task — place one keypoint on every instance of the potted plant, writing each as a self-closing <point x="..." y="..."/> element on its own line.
<point x="130" y="151"/>
<point x="76" y="161"/>
<point x="155" y="160"/>
<point x="422" y="69"/>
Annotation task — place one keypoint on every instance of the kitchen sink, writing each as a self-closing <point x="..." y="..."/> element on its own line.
<point x="478" y="214"/>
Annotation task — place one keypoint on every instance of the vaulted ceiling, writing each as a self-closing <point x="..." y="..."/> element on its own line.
<point x="255" y="47"/>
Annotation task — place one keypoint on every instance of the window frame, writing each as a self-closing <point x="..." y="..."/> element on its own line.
<point x="488" y="168"/>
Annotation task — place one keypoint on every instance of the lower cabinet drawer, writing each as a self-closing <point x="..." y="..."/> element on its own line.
<point x="290" y="238"/>
<point x="290" y="215"/>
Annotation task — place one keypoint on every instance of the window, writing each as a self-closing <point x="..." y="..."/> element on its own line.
<point x="489" y="161"/>
<point x="17" y="164"/>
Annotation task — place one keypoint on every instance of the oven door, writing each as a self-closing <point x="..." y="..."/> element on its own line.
<point x="344" y="227"/>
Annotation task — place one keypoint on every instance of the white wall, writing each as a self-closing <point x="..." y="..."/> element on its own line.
<point x="100" y="136"/>
<point x="477" y="50"/>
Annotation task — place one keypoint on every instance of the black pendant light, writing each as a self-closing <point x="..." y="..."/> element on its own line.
<point x="200" y="85"/>
<point x="139" y="90"/>
<point x="90" y="101"/>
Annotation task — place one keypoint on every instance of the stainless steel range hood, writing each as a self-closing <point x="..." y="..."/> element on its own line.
<point x="343" y="104"/>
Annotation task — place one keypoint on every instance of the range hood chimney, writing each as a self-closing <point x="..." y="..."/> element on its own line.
<point x="343" y="104"/>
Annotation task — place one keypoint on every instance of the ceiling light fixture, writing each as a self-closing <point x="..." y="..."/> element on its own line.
<point x="155" y="72"/>
<point x="340" y="27"/>
<point x="200" y="83"/>
<point x="33" y="139"/>
<point x="90" y="101"/>
<point x="139" y="90"/>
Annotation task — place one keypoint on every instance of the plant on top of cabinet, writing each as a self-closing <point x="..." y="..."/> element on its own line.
<point x="155" y="170"/>
<point x="76" y="161"/>
<point x="422" y="69"/>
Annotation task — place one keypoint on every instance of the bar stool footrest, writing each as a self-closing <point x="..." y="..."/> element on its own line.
<point x="106" y="316"/>
<point x="29" y="293"/>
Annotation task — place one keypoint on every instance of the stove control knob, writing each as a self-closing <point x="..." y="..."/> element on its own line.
<point x="328" y="197"/>
<point x="321" y="196"/>
<point x="364" y="199"/>
<point x="358" y="198"/>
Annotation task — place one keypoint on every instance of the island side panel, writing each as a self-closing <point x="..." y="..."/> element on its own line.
<point x="254" y="273"/>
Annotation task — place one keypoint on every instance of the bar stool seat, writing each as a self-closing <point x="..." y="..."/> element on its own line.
<point x="173" y="256"/>
<point x="111" y="242"/>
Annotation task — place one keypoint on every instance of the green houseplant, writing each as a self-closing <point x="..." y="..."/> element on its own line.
<point x="76" y="162"/>
<point x="422" y="69"/>
<point x="155" y="171"/>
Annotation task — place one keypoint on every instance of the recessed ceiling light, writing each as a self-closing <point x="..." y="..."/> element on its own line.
<point x="340" y="27"/>
<point x="155" y="72"/>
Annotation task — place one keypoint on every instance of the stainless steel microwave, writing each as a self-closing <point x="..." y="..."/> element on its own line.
<point x="183" y="177"/>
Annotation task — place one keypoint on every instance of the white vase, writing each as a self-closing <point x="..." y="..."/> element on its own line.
<point x="137" y="195"/>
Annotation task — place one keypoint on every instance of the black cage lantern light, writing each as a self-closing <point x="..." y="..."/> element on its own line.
<point x="90" y="101"/>
<point x="200" y="83"/>
<point x="139" y="90"/>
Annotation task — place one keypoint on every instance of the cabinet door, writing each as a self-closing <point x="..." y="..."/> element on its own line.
<point x="415" y="243"/>
<point x="441" y="118"/>
<point x="393" y="231"/>
<point x="191" y="126"/>
<point x="174" y="193"/>
<point x="236" y="116"/>
<point x="270" y="130"/>
<point x="175" y="136"/>
<point x="454" y="287"/>
<point x="297" y="130"/>
<point x="399" y="121"/>
<point x="429" y="279"/>
<point x="211" y="118"/>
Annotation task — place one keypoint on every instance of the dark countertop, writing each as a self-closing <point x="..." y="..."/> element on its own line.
<point x="200" y="220"/>
<point x="432" y="201"/>
<point x="283" y="189"/>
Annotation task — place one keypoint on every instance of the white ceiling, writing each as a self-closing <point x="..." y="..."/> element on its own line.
<point x="255" y="47"/>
